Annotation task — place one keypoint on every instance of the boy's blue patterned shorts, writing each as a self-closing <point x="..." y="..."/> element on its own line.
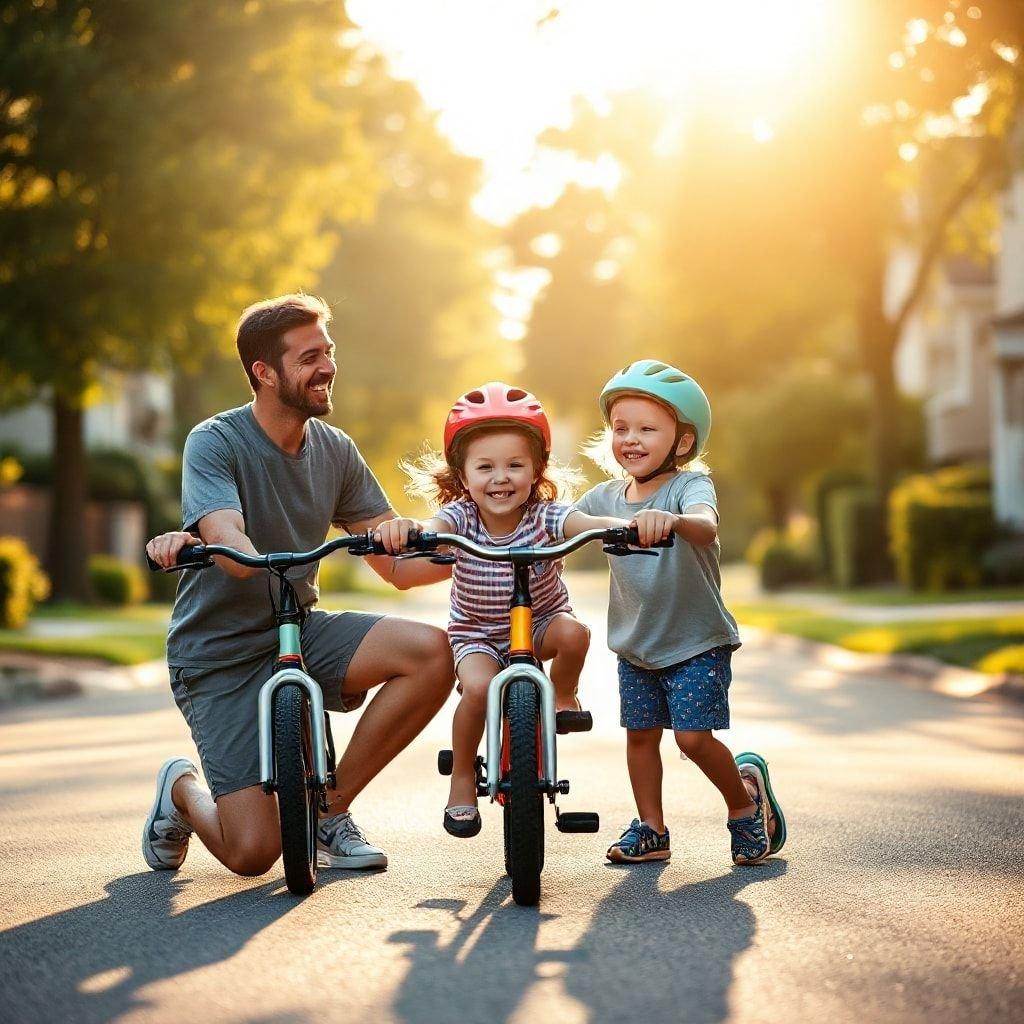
<point x="692" y="695"/>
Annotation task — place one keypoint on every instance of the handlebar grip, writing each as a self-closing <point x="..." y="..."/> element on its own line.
<point x="192" y="557"/>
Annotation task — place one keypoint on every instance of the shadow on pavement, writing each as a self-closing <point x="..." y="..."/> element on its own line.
<point x="647" y="955"/>
<point x="90" y="963"/>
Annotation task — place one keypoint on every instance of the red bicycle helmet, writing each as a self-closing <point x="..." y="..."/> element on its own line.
<point x="494" y="404"/>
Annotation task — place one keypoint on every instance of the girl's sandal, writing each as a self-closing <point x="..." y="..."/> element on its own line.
<point x="462" y="828"/>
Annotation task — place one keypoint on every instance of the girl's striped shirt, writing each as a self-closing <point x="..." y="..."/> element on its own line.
<point x="481" y="590"/>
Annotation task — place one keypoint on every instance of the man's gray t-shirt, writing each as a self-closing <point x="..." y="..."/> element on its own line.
<point x="662" y="611"/>
<point x="288" y="502"/>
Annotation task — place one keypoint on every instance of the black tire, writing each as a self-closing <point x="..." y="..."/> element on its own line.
<point x="525" y="830"/>
<point x="296" y="788"/>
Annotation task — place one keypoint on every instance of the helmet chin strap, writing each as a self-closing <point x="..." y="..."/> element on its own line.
<point x="668" y="463"/>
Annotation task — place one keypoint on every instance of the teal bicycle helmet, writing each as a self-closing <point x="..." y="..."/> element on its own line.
<point x="654" y="379"/>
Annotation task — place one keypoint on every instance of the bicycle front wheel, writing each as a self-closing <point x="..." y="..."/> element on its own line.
<point x="525" y="823"/>
<point x="296" y="788"/>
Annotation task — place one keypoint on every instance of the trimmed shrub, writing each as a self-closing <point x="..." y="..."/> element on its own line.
<point x="117" y="582"/>
<point x="855" y="523"/>
<point x="781" y="560"/>
<point x="1003" y="563"/>
<point x="827" y="485"/>
<point x="22" y="582"/>
<point x="941" y="524"/>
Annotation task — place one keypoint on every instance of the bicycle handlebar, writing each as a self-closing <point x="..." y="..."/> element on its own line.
<point x="619" y="540"/>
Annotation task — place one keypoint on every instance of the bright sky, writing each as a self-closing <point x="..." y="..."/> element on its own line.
<point x="501" y="71"/>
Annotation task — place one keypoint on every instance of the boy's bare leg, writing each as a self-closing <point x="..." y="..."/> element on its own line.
<point x="475" y="674"/>
<point x="643" y="758"/>
<point x="715" y="760"/>
<point x="565" y="643"/>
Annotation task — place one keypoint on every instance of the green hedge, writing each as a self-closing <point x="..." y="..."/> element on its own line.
<point x="782" y="560"/>
<point x="825" y="487"/>
<point x="855" y="524"/>
<point x="22" y="582"/>
<point x="117" y="582"/>
<point x="941" y="524"/>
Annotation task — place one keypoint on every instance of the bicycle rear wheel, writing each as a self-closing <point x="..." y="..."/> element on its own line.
<point x="525" y="823"/>
<point x="296" y="788"/>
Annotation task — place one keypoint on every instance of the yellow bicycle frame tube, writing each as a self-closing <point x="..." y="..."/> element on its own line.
<point x="521" y="634"/>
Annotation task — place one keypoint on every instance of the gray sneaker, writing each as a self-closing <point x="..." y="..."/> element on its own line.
<point x="340" y="843"/>
<point x="166" y="834"/>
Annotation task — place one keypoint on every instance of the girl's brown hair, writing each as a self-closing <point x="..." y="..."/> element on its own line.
<point x="438" y="481"/>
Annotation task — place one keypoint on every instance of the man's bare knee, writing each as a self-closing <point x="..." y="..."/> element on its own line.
<point x="254" y="855"/>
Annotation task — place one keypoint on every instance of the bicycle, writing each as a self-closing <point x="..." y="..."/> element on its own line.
<point x="520" y="767"/>
<point x="296" y="748"/>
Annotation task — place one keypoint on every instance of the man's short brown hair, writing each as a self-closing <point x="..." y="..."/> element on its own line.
<point x="263" y="325"/>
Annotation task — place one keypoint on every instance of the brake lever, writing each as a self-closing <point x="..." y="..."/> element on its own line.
<point x="625" y="549"/>
<point x="435" y="556"/>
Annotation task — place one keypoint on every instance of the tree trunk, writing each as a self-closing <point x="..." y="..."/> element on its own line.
<point x="877" y="339"/>
<point x="777" y="498"/>
<point x="67" y="555"/>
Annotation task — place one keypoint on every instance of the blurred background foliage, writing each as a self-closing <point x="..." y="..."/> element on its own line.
<point x="162" y="165"/>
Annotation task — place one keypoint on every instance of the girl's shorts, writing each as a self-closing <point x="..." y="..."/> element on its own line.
<point x="692" y="695"/>
<point x="497" y="647"/>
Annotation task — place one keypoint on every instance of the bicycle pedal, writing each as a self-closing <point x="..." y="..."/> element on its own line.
<point x="578" y="821"/>
<point x="573" y="721"/>
<point x="445" y="762"/>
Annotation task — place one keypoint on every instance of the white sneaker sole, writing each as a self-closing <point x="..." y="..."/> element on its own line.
<point x="366" y="860"/>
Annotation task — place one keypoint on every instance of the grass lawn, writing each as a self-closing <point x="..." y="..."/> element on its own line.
<point x="122" y="636"/>
<point x="995" y="644"/>
<point x="888" y="596"/>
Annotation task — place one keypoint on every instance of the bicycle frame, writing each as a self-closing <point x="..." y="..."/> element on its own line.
<point x="495" y="715"/>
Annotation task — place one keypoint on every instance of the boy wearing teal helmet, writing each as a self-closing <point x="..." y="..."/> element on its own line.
<point x="666" y="618"/>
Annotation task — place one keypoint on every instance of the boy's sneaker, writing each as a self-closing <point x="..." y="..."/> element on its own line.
<point x="340" y="843"/>
<point x="166" y="834"/>
<point x="638" y="843"/>
<point x="754" y="768"/>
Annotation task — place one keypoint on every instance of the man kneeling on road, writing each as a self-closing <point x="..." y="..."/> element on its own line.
<point x="271" y="476"/>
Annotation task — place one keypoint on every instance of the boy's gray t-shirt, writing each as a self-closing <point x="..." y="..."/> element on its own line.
<point x="289" y="502"/>
<point x="662" y="611"/>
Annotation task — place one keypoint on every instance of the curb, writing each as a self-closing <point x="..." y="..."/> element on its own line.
<point x="915" y="669"/>
<point x="25" y="678"/>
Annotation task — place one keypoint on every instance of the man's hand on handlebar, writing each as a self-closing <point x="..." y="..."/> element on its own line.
<point x="164" y="549"/>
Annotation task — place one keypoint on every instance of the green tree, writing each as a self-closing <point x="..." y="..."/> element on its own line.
<point x="160" y="166"/>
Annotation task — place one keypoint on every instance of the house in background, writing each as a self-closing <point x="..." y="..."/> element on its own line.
<point x="135" y="415"/>
<point x="1008" y="362"/>
<point x="962" y="352"/>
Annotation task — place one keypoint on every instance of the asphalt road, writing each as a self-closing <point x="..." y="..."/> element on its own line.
<point x="897" y="898"/>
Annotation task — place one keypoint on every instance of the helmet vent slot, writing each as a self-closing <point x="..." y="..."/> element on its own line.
<point x="674" y="378"/>
<point x="476" y="397"/>
<point x="654" y="368"/>
<point x="515" y="394"/>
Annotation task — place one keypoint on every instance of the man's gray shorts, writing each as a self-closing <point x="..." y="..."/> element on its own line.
<point x="220" y="704"/>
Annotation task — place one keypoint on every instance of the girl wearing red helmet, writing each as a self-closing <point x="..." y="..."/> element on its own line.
<point x="496" y="485"/>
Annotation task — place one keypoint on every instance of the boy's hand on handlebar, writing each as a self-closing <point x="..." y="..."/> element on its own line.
<point x="653" y="525"/>
<point x="393" y="534"/>
<point x="164" y="549"/>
